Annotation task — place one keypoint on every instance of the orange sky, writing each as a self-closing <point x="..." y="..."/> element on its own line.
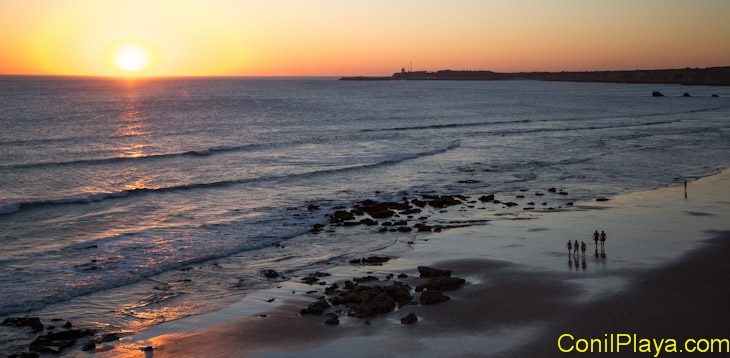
<point x="347" y="37"/>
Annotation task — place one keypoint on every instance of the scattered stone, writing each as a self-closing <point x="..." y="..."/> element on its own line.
<point x="510" y="204"/>
<point x="469" y="181"/>
<point x="33" y="322"/>
<point x="529" y="208"/>
<point x="657" y="94"/>
<point x="315" y="308"/>
<point x="147" y="349"/>
<point x="433" y="272"/>
<point x="90" y="345"/>
<point x="368" y="222"/>
<point x="110" y="337"/>
<point x="520" y="196"/>
<point x="270" y="274"/>
<point x="58" y="341"/>
<point x="444" y="283"/>
<point x="312" y="207"/>
<point x="404" y="229"/>
<point x="601" y="199"/>
<point x="432" y="298"/>
<point x="402" y="276"/>
<point x="372" y="260"/>
<point x="28" y="355"/>
<point x="539" y="194"/>
<point x="570" y="203"/>
<point x="365" y="279"/>
<point x="531" y="203"/>
<point x="333" y="320"/>
<point x="715" y="96"/>
<point x="310" y="280"/>
<point x="552" y="190"/>
<point x="410" y="318"/>
<point x="686" y="95"/>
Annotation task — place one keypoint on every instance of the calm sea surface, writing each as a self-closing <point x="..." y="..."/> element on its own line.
<point x="108" y="187"/>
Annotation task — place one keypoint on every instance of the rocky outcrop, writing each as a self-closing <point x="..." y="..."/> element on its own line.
<point x="33" y="322"/>
<point x="410" y="318"/>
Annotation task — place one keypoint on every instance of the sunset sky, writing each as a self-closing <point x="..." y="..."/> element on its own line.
<point x="342" y="37"/>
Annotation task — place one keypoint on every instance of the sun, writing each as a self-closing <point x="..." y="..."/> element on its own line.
<point x="131" y="57"/>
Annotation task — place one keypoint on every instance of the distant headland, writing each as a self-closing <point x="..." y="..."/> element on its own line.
<point x="712" y="76"/>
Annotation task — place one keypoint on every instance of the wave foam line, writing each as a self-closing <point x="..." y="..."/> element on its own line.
<point x="15" y="207"/>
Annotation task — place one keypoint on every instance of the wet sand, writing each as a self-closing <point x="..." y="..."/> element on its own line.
<point x="664" y="275"/>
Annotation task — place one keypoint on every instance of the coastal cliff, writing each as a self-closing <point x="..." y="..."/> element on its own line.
<point x="713" y="76"/>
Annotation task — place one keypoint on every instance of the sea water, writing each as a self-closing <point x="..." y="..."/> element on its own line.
<point x="129" y="202"/>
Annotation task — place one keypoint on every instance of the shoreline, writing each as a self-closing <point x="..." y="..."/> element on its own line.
<point x="507" y="265"/>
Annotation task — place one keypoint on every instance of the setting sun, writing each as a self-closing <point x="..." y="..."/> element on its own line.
<point x="131" y="57"/>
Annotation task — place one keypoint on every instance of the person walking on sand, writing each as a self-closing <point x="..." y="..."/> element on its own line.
<point x="595" y="237"/>
<point x="575" y="247"/>
<point x="603" y="238"/>
<point x="583" y="247"/>
<point x="569" y="246"/>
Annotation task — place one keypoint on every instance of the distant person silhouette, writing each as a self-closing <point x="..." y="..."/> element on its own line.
<point x="575" y="247"/>
<point x="570" y="247"/>
<point x="685" y="189"/>
<point x="596" y="235"/>
<point x="603" y="238"/>
<point x="583" y="247"/>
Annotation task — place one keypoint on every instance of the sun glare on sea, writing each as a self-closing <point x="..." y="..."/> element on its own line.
<point x="131" y="57"/>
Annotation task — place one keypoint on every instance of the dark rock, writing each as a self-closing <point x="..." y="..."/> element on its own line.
<point x="382" y="229"/>
<point x="110" y="337"/>
<point x="539" y="194"/>
<point x="510" y="204"/>
<point x="486" y="198"/>
<point x="411" y="211"/>
<point x="57" y="341"/>
<point x="351" y="223"/>
<point x="423" y="227"/>
<point x="444" y="283"/>
<point x="28" y="355"/>
<point x="469" y="181"/>
<point x="310" y="280"/>
<point x="410" y="318"/>
<point x="147" y="349"/>
<point x="433" y="272"/>
<point x="312" y="207"/>
<point x="33" y="322"/>
<point x="563" y="193"/>
<point x="90" y="345"/>
<point x="570" y="203"/>
<point x="552" y="190"/>
<point x="531" y="203"/>
<point x="432" y="298"/>
<point x="442" y="201"/>
<point x="365" y="279"/>
<point x="368" y="222"/>
<point x="270" y="274"/>
<point x="437" y="229"/>
<point x="520" y="196"/>
<point x="528" y="208"/>
<point x="402" y="276"/>
<point x="686" y="95"/>
<point x="341" y="216"/>
<point x="715" y="96"/>
<point x="400" y="223"/>
<point x="333" y="320"/>
<point x="381" y="303"/>
<point x="404" y="229"/>
<point x="420" y="288"/>
<point x="657" y="94"/>
<point x="601" y="199"/>
<point x="315" y="308"/>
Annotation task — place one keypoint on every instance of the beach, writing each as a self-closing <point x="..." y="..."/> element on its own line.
<point x="662" y="276"/>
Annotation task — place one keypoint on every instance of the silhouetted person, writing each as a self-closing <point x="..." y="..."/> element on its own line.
<point x="575" y="247"/>
<point x="603" y="238"/>
<point x="596" y="235"/>
<point x="570" y="247"/>
<point x="583" y="248"/>
<point x="685" y="189"/>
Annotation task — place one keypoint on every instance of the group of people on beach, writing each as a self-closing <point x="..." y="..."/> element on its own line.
<point x="575" y="246"/>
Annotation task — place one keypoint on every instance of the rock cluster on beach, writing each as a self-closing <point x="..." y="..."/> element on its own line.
<point x="368" y="296"/>
<point x="55" y="340"/>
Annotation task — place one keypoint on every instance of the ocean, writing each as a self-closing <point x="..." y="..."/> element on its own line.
<point x="125" y="203"/>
